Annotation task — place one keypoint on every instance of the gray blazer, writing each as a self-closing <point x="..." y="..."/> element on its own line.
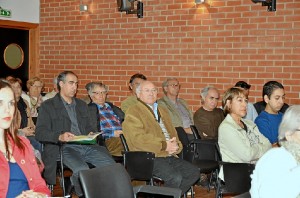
<point x="53" y="119"/>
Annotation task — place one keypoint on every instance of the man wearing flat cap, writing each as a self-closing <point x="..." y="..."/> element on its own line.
<point x="251" y="111"/>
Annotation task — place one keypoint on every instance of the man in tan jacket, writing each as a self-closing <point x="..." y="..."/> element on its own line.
<point x="148" y="127"/>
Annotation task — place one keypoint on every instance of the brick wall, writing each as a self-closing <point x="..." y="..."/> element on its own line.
<point x="217" y="43"/>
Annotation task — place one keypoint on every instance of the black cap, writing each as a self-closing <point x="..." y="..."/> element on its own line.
<point x="243" y="85"/>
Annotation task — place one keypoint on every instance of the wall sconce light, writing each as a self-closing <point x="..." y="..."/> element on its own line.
<point x="271" y="4"/>
<point x="83" y="8"/>
<point x="128" y="6"/>
<point x="199" y="1"/>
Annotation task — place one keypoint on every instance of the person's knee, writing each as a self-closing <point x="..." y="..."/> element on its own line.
<point x="195" y="174"/>
<point x="78" y="169"/>
<point x="175" y="180"/>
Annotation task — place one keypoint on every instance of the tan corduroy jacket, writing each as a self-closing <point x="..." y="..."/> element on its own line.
<point x="143" y="133"/>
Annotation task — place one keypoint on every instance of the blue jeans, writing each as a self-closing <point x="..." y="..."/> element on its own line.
<point x="176" y="173"/>
<point x="36" y="144"/>
<point x="76" y="158"/>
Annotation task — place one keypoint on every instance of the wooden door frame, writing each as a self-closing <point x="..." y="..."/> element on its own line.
<point x="34" y="38"/>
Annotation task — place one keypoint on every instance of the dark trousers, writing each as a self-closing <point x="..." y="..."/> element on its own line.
<point x="176" y="173"/>
<point x="76" y="158"/>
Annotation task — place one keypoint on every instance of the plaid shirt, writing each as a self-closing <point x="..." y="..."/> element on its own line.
<point x="109" y="121"/>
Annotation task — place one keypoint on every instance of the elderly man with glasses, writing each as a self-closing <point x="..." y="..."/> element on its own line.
<point x="107" y="117"/>
<point x="148" y="127"/>
<point x="179" y="111"/>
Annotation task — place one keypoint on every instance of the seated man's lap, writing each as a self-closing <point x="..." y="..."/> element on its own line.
<point x="77" y="156"/>
<point x="175" y="171"/>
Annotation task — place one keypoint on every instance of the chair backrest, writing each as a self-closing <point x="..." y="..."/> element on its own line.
<point x="195" y="132"/>
<point x="206" y="149"/>
<point x="182" y="136"/>
<point x="106" y="182"/>
<point x="139" y="165"/>
<point x="237" y="177"/>
<point x="187" y="152"/>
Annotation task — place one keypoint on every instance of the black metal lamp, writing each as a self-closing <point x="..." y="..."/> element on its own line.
<point x="128" y="7"/>
<point x="271" y="4"/>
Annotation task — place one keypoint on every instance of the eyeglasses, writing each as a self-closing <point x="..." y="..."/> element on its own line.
<point x="149" y="91"/>
<point x="99" y="92"/>
<point x="175" y="85"/>
<point x="36" y="87"/>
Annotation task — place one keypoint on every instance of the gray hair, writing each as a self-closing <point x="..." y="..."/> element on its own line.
<point x="205" y="90"/>
<point x="290" y="121"/>
<point x="166" y="83"/>
<point x="55" y="80"/>
<point x="90" y="87"/>
<point x="138" y="88"/>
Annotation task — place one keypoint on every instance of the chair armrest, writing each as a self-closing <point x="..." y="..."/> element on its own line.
<point x="123" y="140"/>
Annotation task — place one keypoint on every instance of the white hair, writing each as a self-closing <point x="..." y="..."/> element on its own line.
<point x="290" y="121"/>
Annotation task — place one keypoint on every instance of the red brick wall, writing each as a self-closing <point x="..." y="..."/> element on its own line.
<point x="217" y="43"/>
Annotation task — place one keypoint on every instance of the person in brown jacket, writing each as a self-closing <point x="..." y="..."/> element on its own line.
<point x="208" y="117"/>
<point x="148" y="127"/>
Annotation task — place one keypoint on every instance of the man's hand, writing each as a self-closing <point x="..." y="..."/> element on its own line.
<point x="28" y="131"/>
<point x="117" y="133"/>
<point x="172" y="146"/>
<point x="66" y="137"/>
<point x="31" y="193"/>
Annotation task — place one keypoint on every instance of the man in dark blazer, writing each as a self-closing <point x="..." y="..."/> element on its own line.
<point x="60" y="119"/>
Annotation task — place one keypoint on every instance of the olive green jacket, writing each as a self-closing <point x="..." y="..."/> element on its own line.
<point x="175" y="115"/>
<point x="128" y="102"/>
<point x="143" y="133"/>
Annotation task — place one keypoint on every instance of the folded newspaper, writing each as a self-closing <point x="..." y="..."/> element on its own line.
<point x="85" y="139"/>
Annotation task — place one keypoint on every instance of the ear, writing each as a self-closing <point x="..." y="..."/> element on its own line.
<point x="130" y="86"/>
<point x="228" y="105"/>
<point x="165" y="88"/>
<point x="289" y="136"/>
<point x="138" y="95"/>
<point x="202" y="100"/>
<point x="266" y="99"/>
<point x="61" y="83"/>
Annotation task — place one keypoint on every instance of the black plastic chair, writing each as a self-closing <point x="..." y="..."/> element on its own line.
<point x="113" y="181"/>
<point x="201" y="153"/>
<point x="60" y="172"/>
<point x="237" y="179"/>
<point x="66" y="185"/>
<point x="139" y="164"/>
<point x="195" y="132"/>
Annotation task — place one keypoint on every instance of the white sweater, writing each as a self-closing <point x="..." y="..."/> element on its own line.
<point x="276" y="175"/>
